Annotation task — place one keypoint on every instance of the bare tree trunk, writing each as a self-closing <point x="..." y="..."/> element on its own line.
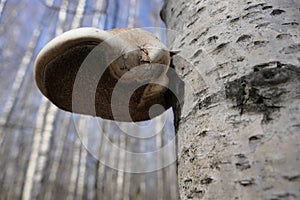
<point x="238" y="137"/>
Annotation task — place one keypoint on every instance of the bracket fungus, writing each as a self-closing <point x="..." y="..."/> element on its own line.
<point x="117" y="74"/>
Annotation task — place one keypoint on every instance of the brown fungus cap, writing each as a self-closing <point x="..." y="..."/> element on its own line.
<point x="79" y="71"/>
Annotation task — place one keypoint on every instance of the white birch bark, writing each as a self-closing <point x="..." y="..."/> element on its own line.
<point x="238" y="137"/>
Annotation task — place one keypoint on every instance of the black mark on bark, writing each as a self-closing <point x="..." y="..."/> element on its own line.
<point x="259" y="44"/>
<point x="240" y="59"/>
<point x="220" y="47"/>
<point x="295" y="48"/>
<point x="246" y="182"/>
<point x="212" y="39"/>
<point x="203" y="133"/>
<point x="180" y="13"/>
<point x="243" y="165"/>
<point x="277" y="12"/>
<point x="218" y="11"/>
<point x="244" y="38"/>
<point x="181" y="45"/>
<point x="192" y="23"/>
<point x="205" y="103"/>
<point x="267" y="7"/>
<point x="255" y="138"/>
<point x="255" y="20"/>
<point x="260" y="91"/>
<point x="254" y="141"/>
<point x="290" y="24"/>
<point x="283" y="36"/>
<point x="242" y="162"/>
<point x="197" y="53"/>
<point x="195" y="194"/>
<point x="251" y="15"/>
<point x="199" y="36"/>
<point x="196" y="62"/>
<point x="206" y="181"/>
<point x="198" y="2"/>
<point x="284" y="196"/>
<point x="193" y="41"/>
<point x="268" y="65"/>
<point x="255" y="6"/>
<point x="262" y="25"/>
<point x="292" y="178"/>
<point x="234" y="19"/>
<point x="188" y="180"/>
<point x="203" y="33"/>
<point x="200" y="9"/>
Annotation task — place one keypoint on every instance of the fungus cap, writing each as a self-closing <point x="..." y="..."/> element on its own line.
<point x="118" y="54"/>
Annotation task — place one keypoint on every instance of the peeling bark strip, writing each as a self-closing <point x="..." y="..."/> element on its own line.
<point x="239" y="138"/>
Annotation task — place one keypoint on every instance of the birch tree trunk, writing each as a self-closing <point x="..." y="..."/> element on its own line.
<point x="238" y="136"/>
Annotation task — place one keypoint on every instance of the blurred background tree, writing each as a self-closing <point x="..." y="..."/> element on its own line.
<point x="40" y="152"/>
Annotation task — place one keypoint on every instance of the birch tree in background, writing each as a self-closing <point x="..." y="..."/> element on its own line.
<point x="42" y="156"/>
